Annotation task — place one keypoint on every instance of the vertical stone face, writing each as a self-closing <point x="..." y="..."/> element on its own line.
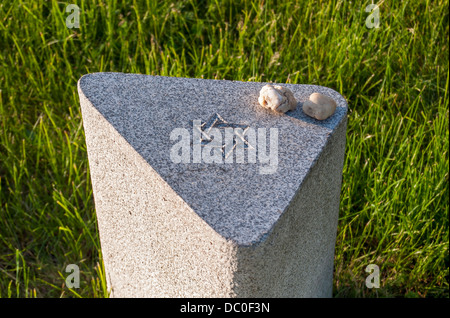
<point x="153" y="243"/>
<point x="296" y="259"/>
<point x="211" y="229"/>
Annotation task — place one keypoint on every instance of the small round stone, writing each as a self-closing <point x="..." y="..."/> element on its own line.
<point x="319" y="106"/>
<point x="277" y="98"/>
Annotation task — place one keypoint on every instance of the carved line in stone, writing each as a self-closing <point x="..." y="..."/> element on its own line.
<point x="216" y="121"/>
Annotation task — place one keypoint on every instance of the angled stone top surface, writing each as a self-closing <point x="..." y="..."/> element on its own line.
<point x="235" y="199"/>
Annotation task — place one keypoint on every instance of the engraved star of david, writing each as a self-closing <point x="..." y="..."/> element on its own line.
<point x="216" y="121"/>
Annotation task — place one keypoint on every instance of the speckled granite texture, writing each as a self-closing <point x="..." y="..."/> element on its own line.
<point x="210" y="230"/>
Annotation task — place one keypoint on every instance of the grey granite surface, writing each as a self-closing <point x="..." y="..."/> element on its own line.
<point x="236" y="200"/>
<point x="210" y="230"/>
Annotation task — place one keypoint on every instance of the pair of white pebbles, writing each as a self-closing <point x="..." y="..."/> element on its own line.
<point x="281" y="99"/>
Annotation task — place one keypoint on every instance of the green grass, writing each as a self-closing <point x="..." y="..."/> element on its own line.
<point x="395" y="192"/>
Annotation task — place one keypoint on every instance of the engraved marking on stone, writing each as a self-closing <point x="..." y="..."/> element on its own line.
<point x="216" y="121"/>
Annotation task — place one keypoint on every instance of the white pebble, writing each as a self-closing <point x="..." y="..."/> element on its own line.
<point x="319" y="106"/>
<point x="277" y="98"/>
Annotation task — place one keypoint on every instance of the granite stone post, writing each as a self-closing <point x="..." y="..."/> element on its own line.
<point x="201" y="192"/>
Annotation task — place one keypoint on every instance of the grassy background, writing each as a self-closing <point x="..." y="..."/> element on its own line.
<point x="395" y="193"/>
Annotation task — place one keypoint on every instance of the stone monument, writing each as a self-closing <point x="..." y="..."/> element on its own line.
<point x="201" y="192"/>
